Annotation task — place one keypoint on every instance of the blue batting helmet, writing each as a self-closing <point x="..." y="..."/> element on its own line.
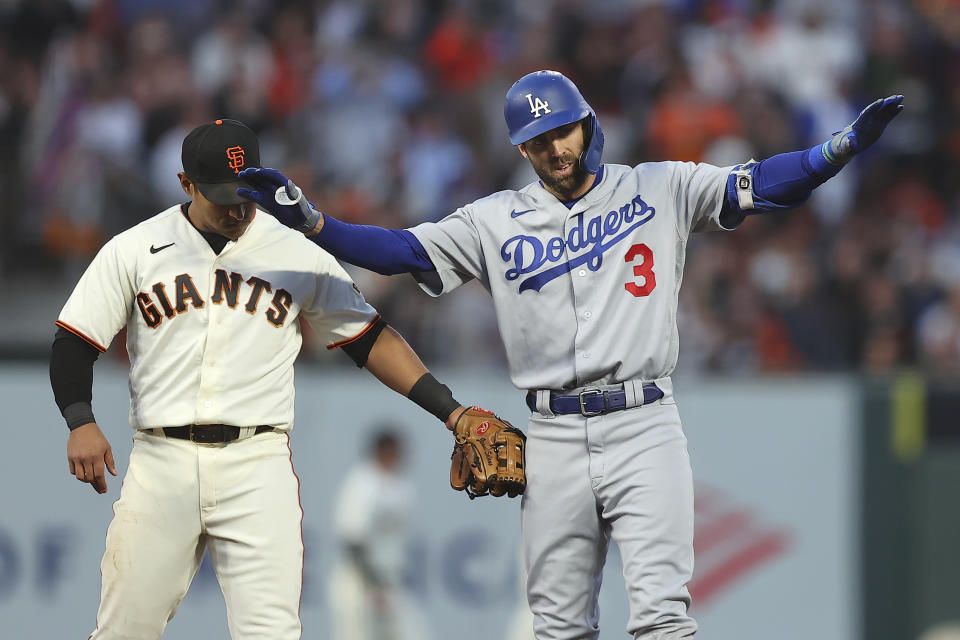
<point x="545" y="100"/>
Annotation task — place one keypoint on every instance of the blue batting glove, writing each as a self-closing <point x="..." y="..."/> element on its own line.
<point x="277" y="194"/>
<point x="863" y="131"/>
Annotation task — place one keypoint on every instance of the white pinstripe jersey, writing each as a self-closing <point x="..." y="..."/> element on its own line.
<point x="212" y="338"/>
<point x="587" y="294"/>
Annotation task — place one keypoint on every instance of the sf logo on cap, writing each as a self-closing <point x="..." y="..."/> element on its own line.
<point x="235" y="156"/>
<point x="535" y="107"/>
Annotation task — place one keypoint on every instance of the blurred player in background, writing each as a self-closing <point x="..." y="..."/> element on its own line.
<point x="368" y="600"/>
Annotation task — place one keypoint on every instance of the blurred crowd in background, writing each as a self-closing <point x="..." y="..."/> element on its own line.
<point x="389" y="112"/>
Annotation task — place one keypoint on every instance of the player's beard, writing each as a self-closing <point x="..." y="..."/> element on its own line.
<point x="567" y="185"/>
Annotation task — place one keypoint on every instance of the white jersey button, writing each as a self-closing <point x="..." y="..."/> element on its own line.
<point x="583" y="272"/>
<point x="586" y="354"/>
<point x="587" y="314"/>
<point x="207" y="404"/>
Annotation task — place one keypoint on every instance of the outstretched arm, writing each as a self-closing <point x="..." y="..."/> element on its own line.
<point x="385" y="251"/>
<point x="786" y="180"/>
<point x="396" y="365"/>
<point x="488" y="455"/>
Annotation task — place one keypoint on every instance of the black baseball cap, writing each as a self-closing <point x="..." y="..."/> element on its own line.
<point x="214" y="153"/>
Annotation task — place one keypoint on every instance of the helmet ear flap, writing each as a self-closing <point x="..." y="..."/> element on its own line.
<point x="593" y="150"/>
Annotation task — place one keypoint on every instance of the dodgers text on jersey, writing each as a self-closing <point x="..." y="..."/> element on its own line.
<point x="589" y="241"/>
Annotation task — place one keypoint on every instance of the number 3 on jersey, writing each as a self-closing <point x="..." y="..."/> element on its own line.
<point x="644" y="269"/>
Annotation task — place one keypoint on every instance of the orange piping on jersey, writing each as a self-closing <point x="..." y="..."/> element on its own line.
<point x="79" y="334"/>
<point x="375" y="320"/>
<point x="300" y="502"/>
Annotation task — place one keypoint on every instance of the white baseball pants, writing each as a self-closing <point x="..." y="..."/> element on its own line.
<point x="240" y="501"/>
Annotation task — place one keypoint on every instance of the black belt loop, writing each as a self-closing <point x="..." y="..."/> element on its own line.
<point x="595" y="401"/>
<point x="210" y="433"/>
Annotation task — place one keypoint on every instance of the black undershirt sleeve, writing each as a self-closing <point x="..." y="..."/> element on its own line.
<point x="71" y="376"/>
<point x="359" y="349"/>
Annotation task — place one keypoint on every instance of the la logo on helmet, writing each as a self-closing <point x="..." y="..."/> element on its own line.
<point x="535" y="107"/>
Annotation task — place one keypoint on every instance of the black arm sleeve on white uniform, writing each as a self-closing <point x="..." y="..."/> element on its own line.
<point x="71" y="376"/>
<point x="359" y="350"/>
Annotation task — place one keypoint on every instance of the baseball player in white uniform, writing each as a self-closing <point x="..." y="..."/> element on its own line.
<point x="584" y="267"/>
<point x="371" y="521"/>
<point x="210" y="293"/>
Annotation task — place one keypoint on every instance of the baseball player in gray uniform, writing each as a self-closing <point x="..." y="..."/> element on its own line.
<point x="211" y="293"/>
<point x="584" y="267"/>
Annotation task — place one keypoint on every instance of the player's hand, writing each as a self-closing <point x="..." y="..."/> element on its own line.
<point x="863" y="131"/>
<point x="277" y="194"/>
<point x="451" y="421"/>
<point x="88" y="451"/>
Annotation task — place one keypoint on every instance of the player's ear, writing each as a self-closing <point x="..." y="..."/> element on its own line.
<point x="185" y="184"/>
<point x="523" y="151"/>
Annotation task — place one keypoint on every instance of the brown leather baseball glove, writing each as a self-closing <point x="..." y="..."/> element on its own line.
<point x="488" y="455"/>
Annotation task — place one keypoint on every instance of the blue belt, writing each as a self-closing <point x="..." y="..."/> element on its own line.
<point x="594" y="402"/>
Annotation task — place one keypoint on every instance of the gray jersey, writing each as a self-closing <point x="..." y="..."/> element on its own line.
<point x="586" y="294"/>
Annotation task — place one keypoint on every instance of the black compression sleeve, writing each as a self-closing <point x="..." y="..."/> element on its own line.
<point x="71" y="376"/>
<point x="359" y="349"/>
<point x="433" y="396"/>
